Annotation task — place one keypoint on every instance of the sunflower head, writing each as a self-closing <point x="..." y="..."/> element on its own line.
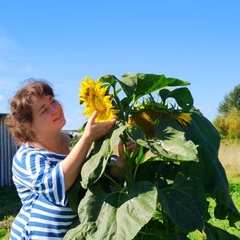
<point x="146" y="118"/>
<point x="183" y="118"/>
<point x="95" y="98"/>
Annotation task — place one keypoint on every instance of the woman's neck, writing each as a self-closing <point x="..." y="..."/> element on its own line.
<point x="57" y="144"/>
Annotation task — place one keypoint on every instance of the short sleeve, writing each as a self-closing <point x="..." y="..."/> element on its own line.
<point x="46" y="178"/>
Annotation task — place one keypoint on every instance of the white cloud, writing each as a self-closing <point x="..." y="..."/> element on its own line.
<point x="1" y="97"/>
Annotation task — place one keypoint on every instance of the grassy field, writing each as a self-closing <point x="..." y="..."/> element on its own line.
<point x="9" y="207"/>
<point x="229" y="156"/>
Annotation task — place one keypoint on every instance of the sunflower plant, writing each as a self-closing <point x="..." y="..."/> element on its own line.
<point x="166" y="186"/>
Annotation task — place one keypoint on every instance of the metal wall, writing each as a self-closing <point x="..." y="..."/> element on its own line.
<point x="7" y="151"/>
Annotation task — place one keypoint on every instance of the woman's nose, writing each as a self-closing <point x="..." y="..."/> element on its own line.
<point x="54" y="108"/>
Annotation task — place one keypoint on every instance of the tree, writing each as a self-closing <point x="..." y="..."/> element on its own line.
<point x="230" y="101"/>
<point x="227" y="121"/>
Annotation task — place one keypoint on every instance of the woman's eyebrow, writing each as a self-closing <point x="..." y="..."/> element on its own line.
<point x="43" y="106"/>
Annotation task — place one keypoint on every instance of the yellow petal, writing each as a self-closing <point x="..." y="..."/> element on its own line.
<point x="94" y="97"/>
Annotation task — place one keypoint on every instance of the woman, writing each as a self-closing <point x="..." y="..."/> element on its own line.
<point x="44" y="168"/>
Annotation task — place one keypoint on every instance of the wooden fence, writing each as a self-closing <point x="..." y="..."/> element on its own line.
<point x="7" y="151"/>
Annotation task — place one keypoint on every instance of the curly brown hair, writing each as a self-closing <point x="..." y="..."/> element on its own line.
<point x="21" y="106"/>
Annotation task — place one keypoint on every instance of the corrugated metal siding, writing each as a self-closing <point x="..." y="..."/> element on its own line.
<point x="7" y="151"/>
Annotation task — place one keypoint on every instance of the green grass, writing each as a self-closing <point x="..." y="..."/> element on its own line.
<point x="234" y="186"/>
<point x="9" y="207"/>
<point x="224" y="224"/>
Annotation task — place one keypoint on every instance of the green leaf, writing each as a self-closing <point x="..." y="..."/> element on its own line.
<point x="214" y="233"/>
<point x="141" y="155"/>
<point x="209" y="168"/>
<point x="111" y="79"/>
<point x="172" y="142"/>
<point x="153" y="234"/>
<point x="169" y="142"/>
<point x="182" y="96"/>
<point x="94" y="167"/>
<point x="75" y="194"/>
<point x="185" y="203"/>
<point x="154" y="170"/>
<point x="135" y="133"/>
<point x="136" y="85"/>
<point x="117" y="215"/>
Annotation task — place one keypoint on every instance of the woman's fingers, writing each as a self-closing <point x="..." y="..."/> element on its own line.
<point x="103" y="127"/>
<point x="107" y="124"/>
<point x="93" y="117"/>
<point x="130" y="145"/>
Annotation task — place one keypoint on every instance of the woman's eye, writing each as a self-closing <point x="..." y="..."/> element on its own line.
<point x="44" y="111"/>
<point x="51" y="102"/>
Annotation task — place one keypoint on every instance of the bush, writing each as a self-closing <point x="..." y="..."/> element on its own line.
<point x="229" y="126"/>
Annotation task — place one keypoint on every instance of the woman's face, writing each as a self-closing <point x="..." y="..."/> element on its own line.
<point x="48" y="115"/>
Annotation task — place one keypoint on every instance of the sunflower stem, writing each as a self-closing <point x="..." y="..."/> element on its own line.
<point x="113" y="181"/>
<point x="129" y="169"/>
<point x="119" y="103"/>
<point x="121" y="171"/>
<point x="135" y="172"/>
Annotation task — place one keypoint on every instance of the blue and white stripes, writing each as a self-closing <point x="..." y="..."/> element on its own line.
<point x="39" y="180"/>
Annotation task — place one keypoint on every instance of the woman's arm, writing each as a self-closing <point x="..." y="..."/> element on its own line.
<point x="73" y="163"/>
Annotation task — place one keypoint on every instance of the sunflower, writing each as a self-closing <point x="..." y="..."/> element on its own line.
<point x="93" y="96"/>
<point x="183" y="118"/>
<point x="146" y="118"/>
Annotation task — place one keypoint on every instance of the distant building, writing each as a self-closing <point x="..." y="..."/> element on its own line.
<point x="7" y="151"/>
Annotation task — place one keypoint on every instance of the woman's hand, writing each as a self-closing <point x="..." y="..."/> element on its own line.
<point x="129" y="145"/>
<point x="121" y="160"/>
<point x="95" y="130"/>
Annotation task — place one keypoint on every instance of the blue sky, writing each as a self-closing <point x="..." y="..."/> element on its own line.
<point x="63" y="41"/>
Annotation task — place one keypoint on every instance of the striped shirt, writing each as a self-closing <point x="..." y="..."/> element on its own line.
<point x="39" y="180"/>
